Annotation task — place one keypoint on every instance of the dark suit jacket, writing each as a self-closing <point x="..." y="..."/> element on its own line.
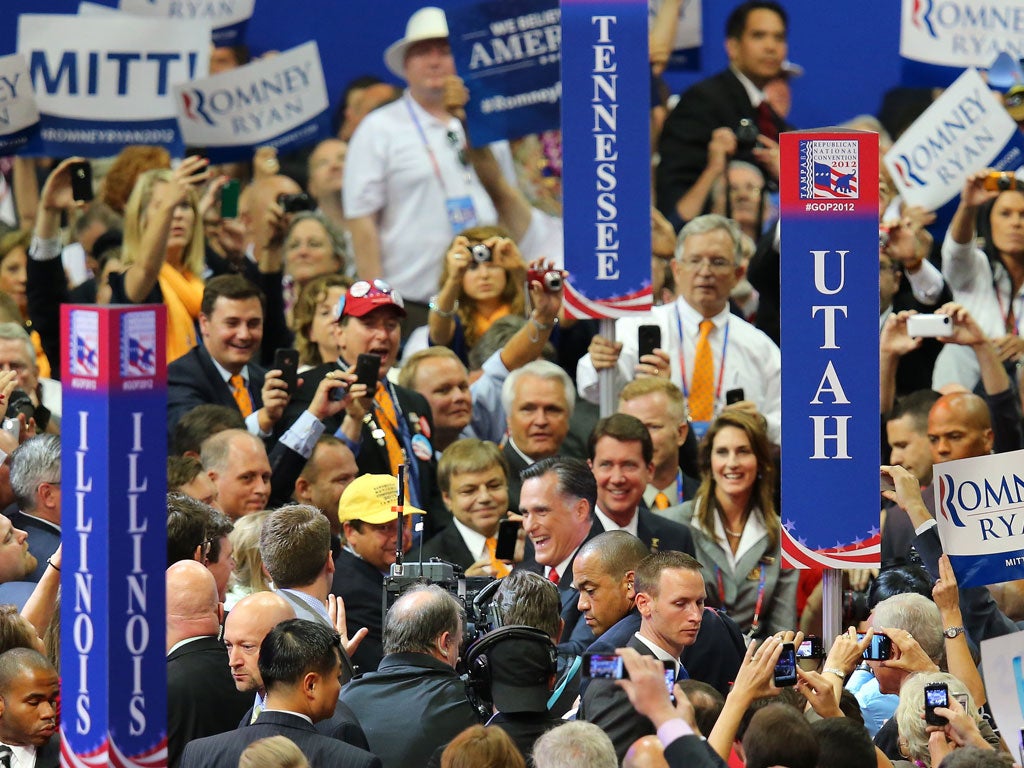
<point x="409" y="707"/>
<point x="576" y="635"/>
<point x="194" y="380"/>
<point x="720" y="101"/>
<point x="43" y="540"/>
<point x="342" y="725"/>
<point x="48" y="755"/>
<point x="450" y="547"/>
<point x="659" y="534"/>
<point x="606" y="705"/>
<point x="223" y="750"/>
<point x="515" y="483"/>
<point x="201" y="696"/>
<point x="372" y="458"/>
<point x="692" y="752"/>
<point x="360" y="585"/>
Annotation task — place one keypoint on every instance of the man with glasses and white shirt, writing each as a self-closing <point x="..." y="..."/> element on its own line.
<point x="385" y="428"/>
<point x="705" y="349"/>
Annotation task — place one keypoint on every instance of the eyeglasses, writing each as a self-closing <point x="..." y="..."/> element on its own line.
<point x="713" y="263"/>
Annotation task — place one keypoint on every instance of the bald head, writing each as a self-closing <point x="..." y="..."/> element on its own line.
<point x="193" y="609"/>
<point x="247" y="624"/>
<point x="615" y="552"/>
<point x="645" y="752"/>
<point x="959" y="427"/>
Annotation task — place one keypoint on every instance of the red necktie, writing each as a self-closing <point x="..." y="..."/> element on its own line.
<point x="766" y="124"/>
<point x="553" y="576"/>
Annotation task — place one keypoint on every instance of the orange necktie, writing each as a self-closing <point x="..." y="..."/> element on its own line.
<point x="702" y="395"/>
<point x="241" y="394"/>
<point x="661" y="501"/>
<point x="388" y="423"/>
<point x="500" y="569"/>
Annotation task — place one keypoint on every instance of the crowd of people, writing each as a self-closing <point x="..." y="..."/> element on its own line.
<point x="388" y="303"/>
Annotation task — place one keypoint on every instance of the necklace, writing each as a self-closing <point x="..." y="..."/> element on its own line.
<point x="734" y="534"/>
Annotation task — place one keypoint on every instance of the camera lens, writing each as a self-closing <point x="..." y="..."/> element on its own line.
<point x="481" y="253"/>
<point x="552" y="281"/>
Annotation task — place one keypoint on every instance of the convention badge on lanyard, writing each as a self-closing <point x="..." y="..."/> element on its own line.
<point x="461" y="213"/>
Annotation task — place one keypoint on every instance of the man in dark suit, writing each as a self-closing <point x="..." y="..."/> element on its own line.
<point x="473" y="477"/>
<point x="699" y="136"/>
<point x="369" y="520"/>
<point x="29" y="687"/>
<point x="300" y="664"/>
<point x="670" y="598"/>
<point x="201" y="696"/>
<point x="380" y="424"/>
<point x="222" y="370"/>
<point x="621" y="458"/>
<point x="246" y="626"/>
<point x="35" y="479"/>
<point x="557" y="501"/>
<point x="415" y="701"/>
<point x="539" y="401"/>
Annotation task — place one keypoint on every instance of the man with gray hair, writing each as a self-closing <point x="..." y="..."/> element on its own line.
<point x="574" y="744"/>
<point x="538" y="400"/>
<point x="35" y="479"/>
<point x="717" y="351"/>
<point x="415" y="701"/>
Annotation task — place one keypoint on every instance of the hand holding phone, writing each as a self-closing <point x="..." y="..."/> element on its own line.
<point x="648" y="338"/>
<point x="287" y="362"/>
<point x="935" y="695"/>
<point x="508" y="537"/>
<point x="368" y="371"/>
<point x="785" y="667"/>
<point x="81" y="180"/>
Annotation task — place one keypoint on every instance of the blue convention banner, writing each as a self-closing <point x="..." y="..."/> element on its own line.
<point x="114" y="684"/>
<point x="606" y="158"/>
<point x="939" y="39"/>
<point x="830" y="426"/>
<point x="507" y="53"/>
<point x="280" y="101"/>
<point x="227" y="18"/>
<point x="102" y="83"/>
<point x="978" y="508"/>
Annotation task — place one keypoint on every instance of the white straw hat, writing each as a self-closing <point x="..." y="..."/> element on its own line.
<point x="426" y="24"/>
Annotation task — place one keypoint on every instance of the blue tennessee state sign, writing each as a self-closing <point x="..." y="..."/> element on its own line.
<point x="606" y="158"/>
<point x="830" y="426"/>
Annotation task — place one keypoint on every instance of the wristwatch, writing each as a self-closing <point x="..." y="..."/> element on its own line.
<point x="952" y="632"/>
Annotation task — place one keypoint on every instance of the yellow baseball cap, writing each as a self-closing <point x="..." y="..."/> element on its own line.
<point x="372" y="499"/>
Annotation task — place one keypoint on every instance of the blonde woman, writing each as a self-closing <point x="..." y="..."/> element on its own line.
<point x="163" y="253"/>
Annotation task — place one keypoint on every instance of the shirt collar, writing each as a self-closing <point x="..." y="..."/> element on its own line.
<point x="660" y="653"/>
<point x="24" y="756"/>
<point x="692" y="318"/>
<point x="611" y="525"/>
<point x="226" y="375"/>
<point x="475" y="542"/>
<point x="307" y="718"/>
<point x="755" y="94"/>
<point x="522" y="455"/>
<point x="315" y="605"/>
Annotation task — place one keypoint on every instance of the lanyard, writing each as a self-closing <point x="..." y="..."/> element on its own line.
<point x="755" y="623"/>
<point x="679" y="486"/>
<point x="682" y="359"/>
<point x="430" y="150"/>
<point x="402" y="430"/>
<point x="1008" y="312"/>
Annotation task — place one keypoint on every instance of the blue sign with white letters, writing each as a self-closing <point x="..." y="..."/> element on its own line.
<point x="507" y="53"/>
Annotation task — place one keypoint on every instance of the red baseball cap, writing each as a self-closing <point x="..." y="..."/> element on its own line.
<point x="364" y="296"/>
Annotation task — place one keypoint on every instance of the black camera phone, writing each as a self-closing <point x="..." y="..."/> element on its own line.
<point x="648" y="338"/>
<point x="81" y="180"/>
<point x="368" y="371"/>
<point x="287" y="362"/>
<point x="811" y="648"/>
<point x="508" y="537"/>
<point x="935" y="695"/>
<point x="734" y="395"/>
<point x="880" y="648"/>
<point x="785" y="667"/>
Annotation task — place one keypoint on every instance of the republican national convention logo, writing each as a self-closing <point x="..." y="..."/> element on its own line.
<point x="85" y="343"/>
<point x="138" y="344"/>
<point x="828" y="169"/>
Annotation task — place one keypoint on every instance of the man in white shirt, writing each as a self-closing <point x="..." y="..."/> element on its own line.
<point x="698" y="326"/>
<point x="409" y="186"/>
